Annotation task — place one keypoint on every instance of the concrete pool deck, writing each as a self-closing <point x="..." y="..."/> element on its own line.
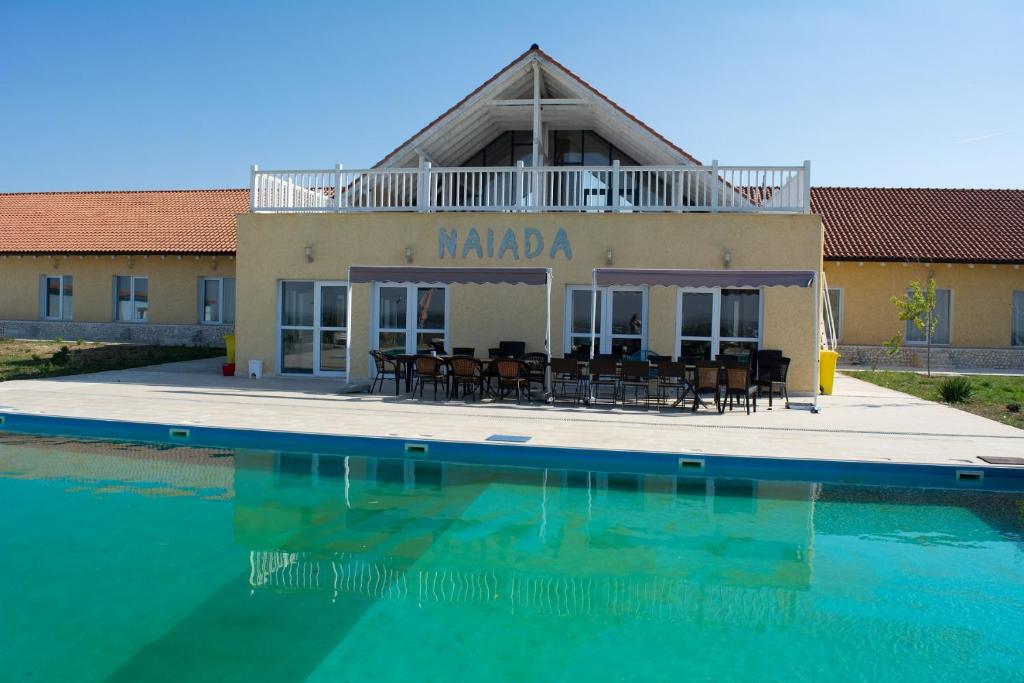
<point x="860" y="422"/>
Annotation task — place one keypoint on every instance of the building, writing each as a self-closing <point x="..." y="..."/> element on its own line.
<point x="152" y="267"/>
<point x="533" y="169"/>
<point x="536" y="177"/>
<point x="879" y="240"/>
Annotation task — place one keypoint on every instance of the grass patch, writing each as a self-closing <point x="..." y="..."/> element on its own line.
<point x="996" y="397"/>
<point x="26" y="359"/>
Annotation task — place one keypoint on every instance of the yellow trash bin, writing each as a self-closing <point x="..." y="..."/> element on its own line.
<point x="827" y="370"/>
<point x="229" y="341"/>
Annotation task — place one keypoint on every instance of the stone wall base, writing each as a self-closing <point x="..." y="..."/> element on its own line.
<point x="942" y="357"/>
<point x="132" y="333"/>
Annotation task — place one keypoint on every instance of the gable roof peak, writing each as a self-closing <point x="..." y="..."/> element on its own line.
<point x="478" y="118"/>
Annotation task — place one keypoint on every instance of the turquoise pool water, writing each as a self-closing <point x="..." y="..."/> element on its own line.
<point x="138" y="563"/>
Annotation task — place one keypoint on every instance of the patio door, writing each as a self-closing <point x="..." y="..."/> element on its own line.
<point x="410" y="318"/>
<point x="713" y="321"/>
<point x="620" y="321"/>
<point x="312" y="333"/>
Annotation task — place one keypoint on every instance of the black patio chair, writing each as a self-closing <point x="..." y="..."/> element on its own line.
<point x="566" y="377"/>
<point x="604" y="372"/>
<point x="635" y="375"/>
<point x="772" y="378"/>
<point x="673" y="377"/>
<point x="512" y="349"/>
<point x="463" y="351"/>
<point x="537" y="366"/>
<point x="385" y="365"/>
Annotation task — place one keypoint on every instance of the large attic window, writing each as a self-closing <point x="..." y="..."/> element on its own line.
<point x="567" y="148"/>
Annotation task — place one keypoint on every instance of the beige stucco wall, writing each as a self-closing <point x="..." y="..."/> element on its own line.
<point x="982" y="299"/>
<point x="271" y="247"/>
<point x="173" y="282"/>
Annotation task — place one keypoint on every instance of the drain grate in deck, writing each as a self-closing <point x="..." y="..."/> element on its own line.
<point x="1001" y="460"/>
<point x="511" y="438"/>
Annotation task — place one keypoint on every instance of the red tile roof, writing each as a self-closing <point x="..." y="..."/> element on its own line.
<point x="152" y="222"/>
<point x="921" y="224"/>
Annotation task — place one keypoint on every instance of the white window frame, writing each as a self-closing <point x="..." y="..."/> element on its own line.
<point x="604" y="334"/>
<point x="220" y="301"/>
<point x="837" y="318"/>
<point x="716" y="337"/>
<point x="949" y="316"/>
<point x="411" y="314"/>
<point x="149" y="298"/>
<point x="46" y="284"/>
<point x="316" y="328"/>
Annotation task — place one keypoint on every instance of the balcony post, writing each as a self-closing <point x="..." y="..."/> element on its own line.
<point x="714" y="186"/>
<point x="252" y="187"/>
<point x="337" y="187"/>
<point x="423" y="199"/>
<point x="807" y="186"/>
<point x="520" y="177"/>
<point x="615" y="185"/>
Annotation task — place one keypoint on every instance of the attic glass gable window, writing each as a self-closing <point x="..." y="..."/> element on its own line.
<point x="566" y="148"/>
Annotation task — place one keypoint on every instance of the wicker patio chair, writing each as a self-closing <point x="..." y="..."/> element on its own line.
<point x="706" y="379"/>
<point x="385" y="365"/>
<point x="429" y="370"/>
<point x="738" y="385"/>
<point x="512" y="374"/>
<point x="467" y="373"/>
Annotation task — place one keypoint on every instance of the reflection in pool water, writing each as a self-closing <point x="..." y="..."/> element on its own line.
<point x="135" y="563"/>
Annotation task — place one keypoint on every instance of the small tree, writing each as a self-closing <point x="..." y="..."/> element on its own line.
<point x="917" y="306"/>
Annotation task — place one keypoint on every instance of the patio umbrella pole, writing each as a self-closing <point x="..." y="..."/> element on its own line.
<point x="593" y="325"/>
<point x="547" y="329"/>
<point x="348" y="328"/>
<point x="817" y="341"/>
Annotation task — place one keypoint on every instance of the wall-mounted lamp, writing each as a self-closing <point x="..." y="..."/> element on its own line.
<point x="214" y="264"/>
<point x="608" y="257"/>
<point x="726" y="258"/>
<point x="131" y="262"/>
<point x="309" y="253"/>
<point x="408" y="254"/>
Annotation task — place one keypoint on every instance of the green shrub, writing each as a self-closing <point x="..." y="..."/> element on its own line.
<point x="62" y="357"/>
<point x="955" y="390"/>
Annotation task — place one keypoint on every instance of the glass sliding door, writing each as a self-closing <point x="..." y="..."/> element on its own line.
<point x="313" y="337"/>
<point x="620" y="322"/>
<point x="411" y="318"/>
<point x="696" y="318"/>
<point x="713" y="322"/>
<point x="333" y="332"/>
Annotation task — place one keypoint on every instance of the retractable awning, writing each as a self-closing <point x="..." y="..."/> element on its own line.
<point x="449" y="276"/>
<point x="452" y="276"/>
<point x="679" y="277"/>
<point x="683" y="277"/>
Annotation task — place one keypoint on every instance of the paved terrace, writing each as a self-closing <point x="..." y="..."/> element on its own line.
<point x="860" y="422"/>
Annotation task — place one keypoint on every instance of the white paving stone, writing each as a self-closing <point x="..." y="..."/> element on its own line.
<point x="860" y="422"/>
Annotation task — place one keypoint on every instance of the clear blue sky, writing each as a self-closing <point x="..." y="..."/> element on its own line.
<point x="105" y="95"/>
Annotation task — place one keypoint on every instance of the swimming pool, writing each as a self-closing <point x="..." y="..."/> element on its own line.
<point x="140" y="562"/>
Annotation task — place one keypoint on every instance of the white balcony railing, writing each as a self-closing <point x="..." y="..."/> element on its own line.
<point x="612" y="188"/>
